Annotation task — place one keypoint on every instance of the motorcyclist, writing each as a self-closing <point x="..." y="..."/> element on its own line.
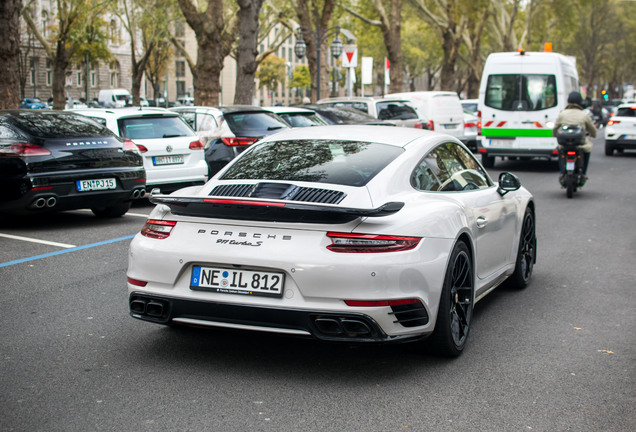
<point x="573" y="114"/>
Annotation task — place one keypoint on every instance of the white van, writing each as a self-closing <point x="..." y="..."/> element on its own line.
<point x="440" y="110"/>
<point x="114" y="98"/>
<point x="520" y="97"/>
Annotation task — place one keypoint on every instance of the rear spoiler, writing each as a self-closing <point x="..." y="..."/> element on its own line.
<point x="272" y="211"/>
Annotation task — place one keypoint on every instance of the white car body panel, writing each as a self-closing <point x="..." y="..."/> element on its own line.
<point x="317" y="279"/>
<point x="194" y="168"/>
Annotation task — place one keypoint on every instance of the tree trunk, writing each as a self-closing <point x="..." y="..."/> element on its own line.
<point x="247" y="52"/>
<point x="60" y="63"/>
<point x="315" y="25"/>
<point x="393" y="43"/>
<point x="10" y="53"/>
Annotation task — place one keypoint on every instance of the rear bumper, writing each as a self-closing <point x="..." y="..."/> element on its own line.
<point x="621" y="143"/>
<point x="323" y="325"/>
<point x="44" y="192"/>
<point x="518" y="147"/>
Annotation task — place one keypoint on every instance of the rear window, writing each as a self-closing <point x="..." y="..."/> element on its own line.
<point x="302" y="119"/>
<point x="349" y="163"/>
<point x="253" y="124"/>
<point x="149" y="127"/>
<point x="58" y="125"/>
<point x="395" y="111"/>
<point x="626" y="112"/>
<point x="521" y="92"/>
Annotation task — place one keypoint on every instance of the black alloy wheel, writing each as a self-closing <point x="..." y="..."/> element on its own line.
<point x="527" y="252"/>
<point x="456" y="305"/>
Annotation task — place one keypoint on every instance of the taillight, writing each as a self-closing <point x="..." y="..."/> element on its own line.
<point x="369" y="243"/>
<point x="469" y="125"/>
<point x="142" y="148"/>
<point x="23" y="150"/>
<point x="238" y="141"/>
<point x="196" y="145"/>
<point x="379" y="303"/>
<point x="419" y="125"/>
<point x="157" y="229"/>
<point x="571" y="153"/>
<point x="479" y="123"/>
<point x="130" y="146"/>
<point x="613" y="122"/>
<point x="430" y="125"/>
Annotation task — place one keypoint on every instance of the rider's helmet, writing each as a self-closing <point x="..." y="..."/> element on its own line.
<point x="575" y="98"/>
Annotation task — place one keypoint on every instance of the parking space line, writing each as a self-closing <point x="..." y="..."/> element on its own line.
<point x="45" y="242"/>
<point x="37" y="257"/>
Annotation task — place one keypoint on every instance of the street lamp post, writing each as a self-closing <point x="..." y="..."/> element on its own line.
<point x="320" y="36"/>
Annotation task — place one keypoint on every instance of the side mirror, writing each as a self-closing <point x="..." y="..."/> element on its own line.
<point x="508" y="182"/>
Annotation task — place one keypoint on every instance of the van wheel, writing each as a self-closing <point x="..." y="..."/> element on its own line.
<point x="488" y="161"/>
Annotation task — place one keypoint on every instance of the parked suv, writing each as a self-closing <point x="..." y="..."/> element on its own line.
<point x="620" y="133"/>
<point x="55" y="160"/>
<point x="396" y="110"/>
<point x="228" y="130"/>
<point x="172" y="153"/>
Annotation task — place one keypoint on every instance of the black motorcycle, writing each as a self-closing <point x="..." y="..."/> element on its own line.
<point x="571" y="159"/>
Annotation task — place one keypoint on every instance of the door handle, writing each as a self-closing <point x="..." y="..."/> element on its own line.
<point x="481" y="222"/>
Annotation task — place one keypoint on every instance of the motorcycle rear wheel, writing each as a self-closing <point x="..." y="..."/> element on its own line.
<point x="569" y="185"/>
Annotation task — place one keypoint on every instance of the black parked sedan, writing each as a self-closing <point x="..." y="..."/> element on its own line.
<point x="53" y="160"/>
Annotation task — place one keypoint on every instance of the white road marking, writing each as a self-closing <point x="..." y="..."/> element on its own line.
<point x="46" y="242"/>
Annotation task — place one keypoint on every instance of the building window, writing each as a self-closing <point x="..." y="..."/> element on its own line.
<point x="93" y="79"/>
<point x="179" y="29"/>
<point x="179" y="68"/>
<point x="114" y="74"/>
<point x="181" y="88"/>
<point x="79" y="79"/>
<point x="114" y="32"/>
<point x="48" y="72"/>
<point x="45" y="23"/>
<point x="34" y="62"/>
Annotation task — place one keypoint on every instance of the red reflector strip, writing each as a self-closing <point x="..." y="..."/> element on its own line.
<point x="136" y="282"/>
<point x="379" y="303"/>
<point x="41" y="188"/>
<point x="243" y="202"/>
<point x="482" y="150"/>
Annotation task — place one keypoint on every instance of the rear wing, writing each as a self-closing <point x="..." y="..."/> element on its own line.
<point x="269" y="210"/>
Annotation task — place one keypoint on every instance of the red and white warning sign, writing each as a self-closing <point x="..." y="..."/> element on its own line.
<point x="350" y="56"/>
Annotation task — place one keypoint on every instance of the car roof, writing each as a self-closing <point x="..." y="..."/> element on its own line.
<point x="363" y="99"/>
<point x="123" y="112"/>
<point x="628" y="105"/>
<point x="365" y="133"/>
<point x="289" y="110"/>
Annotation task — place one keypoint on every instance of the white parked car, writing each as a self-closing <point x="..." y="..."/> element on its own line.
<point x="620" y="133"/>
<point x="396" y="109"/>
<point x="172" y="153"/>
<point x="343" y="233"/>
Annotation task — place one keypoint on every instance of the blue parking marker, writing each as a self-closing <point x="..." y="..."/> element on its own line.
<point x="37" y="257"/>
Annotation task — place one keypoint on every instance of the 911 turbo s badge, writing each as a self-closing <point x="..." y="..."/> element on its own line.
<point x="240" y="238"/>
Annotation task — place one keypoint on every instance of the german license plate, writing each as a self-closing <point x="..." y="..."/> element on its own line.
<point x="167" y="160"/>
<point x="235" y="281"/>
<point x="499" y="143"/>
<point x="569" y="165"/>
<point x="97" y="184"/>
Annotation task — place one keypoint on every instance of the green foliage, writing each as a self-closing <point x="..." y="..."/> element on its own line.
<point x="91" y="38"/>
<point x="301" y="78"/>
<point x="271" y="72"/>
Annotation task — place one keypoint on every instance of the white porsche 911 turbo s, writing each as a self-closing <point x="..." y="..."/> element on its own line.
<point x="343" y="233"/>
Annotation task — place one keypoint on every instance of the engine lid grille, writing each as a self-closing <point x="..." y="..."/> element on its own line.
<point x="280" y="191"/>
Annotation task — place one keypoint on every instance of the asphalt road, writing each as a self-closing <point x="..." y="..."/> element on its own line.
<point x="558" y="356"/>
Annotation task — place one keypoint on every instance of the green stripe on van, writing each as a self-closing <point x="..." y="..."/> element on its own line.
<point x="500" y="132"/>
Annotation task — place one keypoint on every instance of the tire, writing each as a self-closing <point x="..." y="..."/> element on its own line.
<point x="113" y="211"/>
<point x="455" y="306"/>
<point x="609" y="149"/>
<point x="526" y="253"/>
<point x="488" y="161"/>
<point x="569" y="185"/>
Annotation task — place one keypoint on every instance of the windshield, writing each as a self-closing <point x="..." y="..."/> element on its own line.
<point x="149" y="127"/>
<point x="350" y="163"/>
<point x="521" y="92"/>
<point x="395" y="111"/>
<point x="59" y="125"/>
